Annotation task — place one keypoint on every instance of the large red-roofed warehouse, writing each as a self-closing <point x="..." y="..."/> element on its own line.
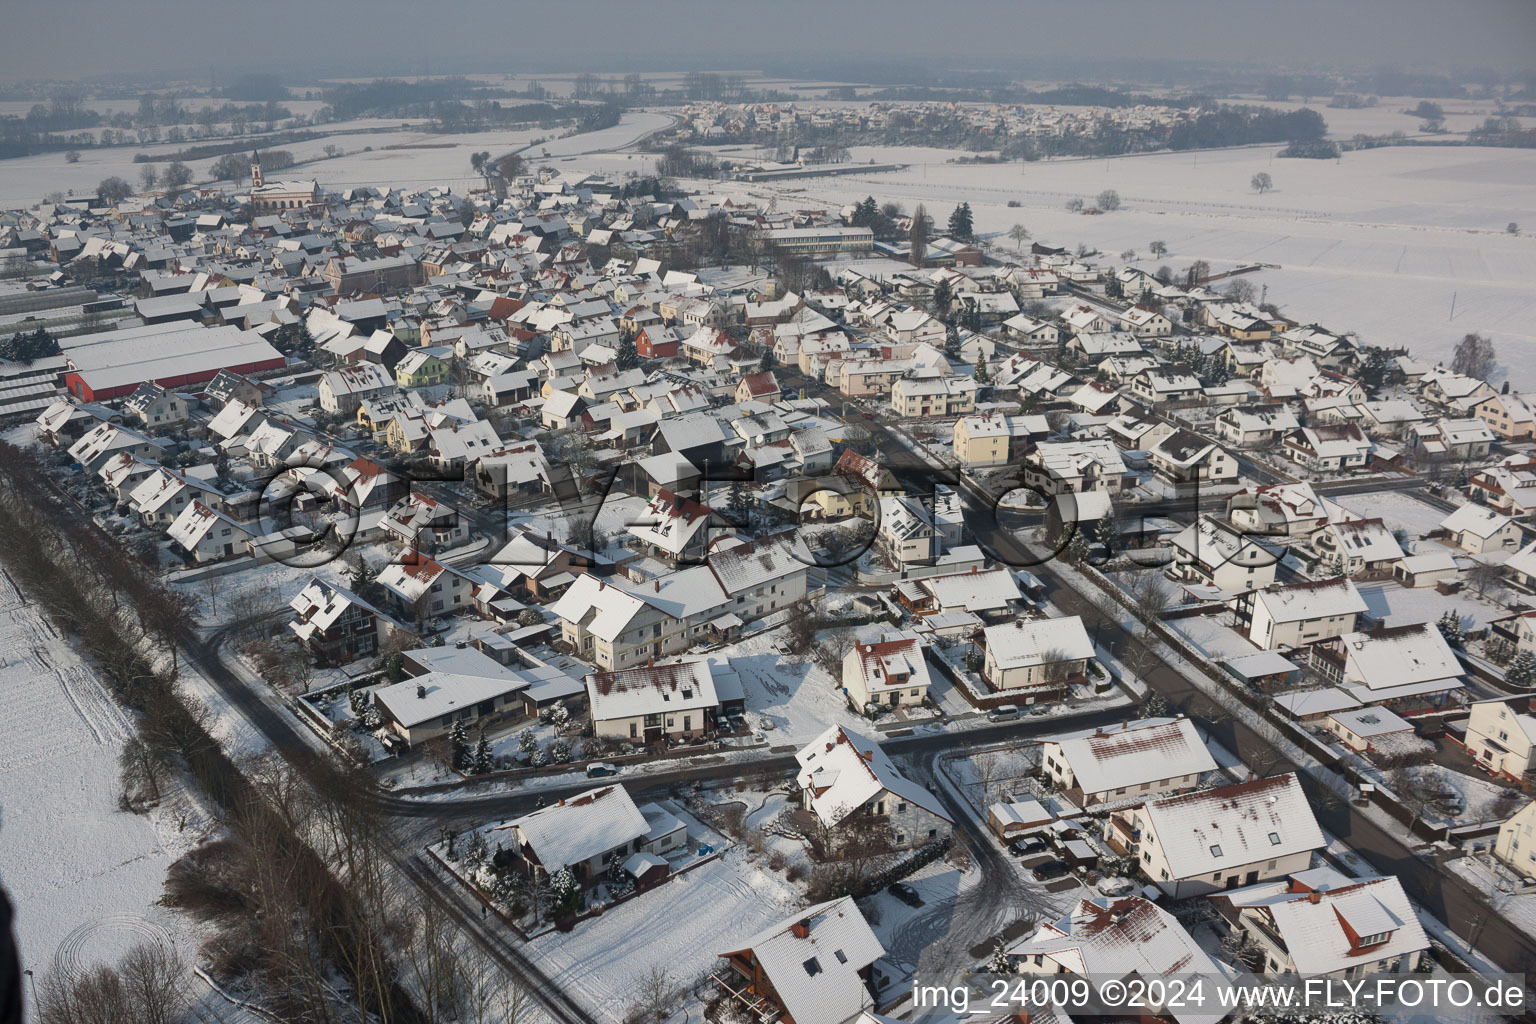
<point x="114" y="363"/>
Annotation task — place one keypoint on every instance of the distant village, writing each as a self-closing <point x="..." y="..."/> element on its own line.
<point x="750" y="553"/>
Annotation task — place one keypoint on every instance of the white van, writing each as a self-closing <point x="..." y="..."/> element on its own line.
<point x="1003" y="713"/>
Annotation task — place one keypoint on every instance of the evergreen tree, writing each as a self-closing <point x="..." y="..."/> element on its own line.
<point x="1000" y="963"/>
<point x="459" y="740"/>
<point x="943" y="296"/>
<point x="961" y="225"/>
<point x="983" y="372"/>
<point x="629" y="356"/>
<point x="1522" y="670"/>
<point x="483" y="760"/>
<point x="1449" y="625"/>
<point x="527" y="741"/>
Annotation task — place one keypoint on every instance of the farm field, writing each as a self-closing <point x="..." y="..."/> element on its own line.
<point x="1381" y="242"/>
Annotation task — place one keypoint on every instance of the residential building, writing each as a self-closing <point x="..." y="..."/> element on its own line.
<point x="1295" y="614"/>
<point x="1319" y="923"/>
<point x="651" y="703"/>
<point x="1478" y="531"/>
<point x="817" y="967"/>
<point x="849" y="784"/>
<point x="1036" y="659"/>
<point x="1222" y="838"/>
<point x="335" y="624"/>
<point x="1215" y="553"/>
<point x="1501" y="736"/>
<point x="1135" y="759"/>
<point x="891" y="671"/>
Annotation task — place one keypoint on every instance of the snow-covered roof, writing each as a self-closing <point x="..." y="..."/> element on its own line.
<point x="1119" y="937"/>
<point x="843" y="770"/>
<point x="1398" y="655"/>
<point x="813" y="961"/>
<point x="1022" y="644"/>
<point x="1131" y="753"/>
<point x="1231" y="826"/>
<point x="582" y="827"/>
<point x="973" y="591"/>
<point x="1300" y="704"/>
<point x="651" y="689"/>
<point x="1312" y="922"/>
<point x="1476" y="520"/>
<point x="415" y="701"/>
<point x="1300" y="602"/>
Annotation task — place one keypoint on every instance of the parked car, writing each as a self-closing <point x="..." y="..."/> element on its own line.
<point x="1003" y="713"/>
<point x="1051" y="869"/>
<point x="600" y="769"/>
<point x="905" y="893"/>
<point x="1029" y="846"/>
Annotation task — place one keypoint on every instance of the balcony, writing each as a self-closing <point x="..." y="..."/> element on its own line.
<point x="758" y="1009"/>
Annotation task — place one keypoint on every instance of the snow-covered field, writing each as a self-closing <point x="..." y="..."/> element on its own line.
<point x="1398" y="509"/>
<point x="399" y="159"/>
<point x="1378" y="242"/>
<point x="84" y="875"/>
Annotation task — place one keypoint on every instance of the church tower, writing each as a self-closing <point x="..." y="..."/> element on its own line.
<point x="255" y="169"/>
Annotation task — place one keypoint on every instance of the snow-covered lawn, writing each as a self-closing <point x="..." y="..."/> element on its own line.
<point x="84" y="875"/>
<point x="799" y="698"/>
<point x="1397" y="509"/>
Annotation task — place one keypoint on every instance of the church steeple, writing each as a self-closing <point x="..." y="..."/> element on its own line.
<point x="255" y="169"/>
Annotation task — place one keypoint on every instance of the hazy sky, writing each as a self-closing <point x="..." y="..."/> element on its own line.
<point x="86" y="38"/>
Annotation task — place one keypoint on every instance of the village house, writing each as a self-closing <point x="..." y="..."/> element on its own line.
<point x="155" y="408"/>
<point x="342" y="390"/>
<point x="1277" y="510"/>
<point x="421" y="588"/>
<point x="929" y="397"/>
<point x="1215" y="553"/>
<point x="206" y="535"/>
<point x="1036" y="659"/>
<point x="1319" y="923"/>
<point x="848" y="783"/>
<point x="1516" y="844"/>
<point x="335" y="624"/>
<point x="1508" y="415"/>
<point x="1478" y="531"/>
<point x="1410" y="667"/>
<point x="1185" y="459"/>
<point x="994" y="439"/>
<point x="1138" y="432"/>
<point x="1121" y="938"/>
<point x="587" y="833"/>
<point x="890" y="672"/>
<point x="1222" y="838"/>
<point x="1328" y="449"/>
<point x="1074" y="467"/>
<point x="1173" y="387"/>
<point x="425" y="524"/>
<point x="650" y="703"/>
<point x="1134" y="759"/>
<point x="817" y="967"/>
<point x="1508" y="486"/>
<point x="1500" y="737"/>
<point x="1249" y="426"/>
<point x="1296" y="614"/>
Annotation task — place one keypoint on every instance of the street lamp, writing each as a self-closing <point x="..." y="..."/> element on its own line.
<point x="35" y="1012"/>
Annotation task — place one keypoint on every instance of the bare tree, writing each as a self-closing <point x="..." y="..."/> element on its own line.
<point x="917" y="236"/>
<point x="1020" y="234"/>
<point x="654" y="1002"/>
<point x="1474" y="357"/>
<point x="1261" y="182"/>
<point x="1482" y="577"/>
<point x="1108" y="200"/>
<point x="212" y="585"/>
<point x="1241" y="290"/>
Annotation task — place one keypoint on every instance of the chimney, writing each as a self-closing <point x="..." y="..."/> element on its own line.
<point x="801" y="929"/>
<point x="461" y="644"/>
<point x="1252" y="776"/>
<point x="421" y="692"/>
<point x="650" y="662"/>
<point x="1314" y="896"/>
<point x="656" y="585"/>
